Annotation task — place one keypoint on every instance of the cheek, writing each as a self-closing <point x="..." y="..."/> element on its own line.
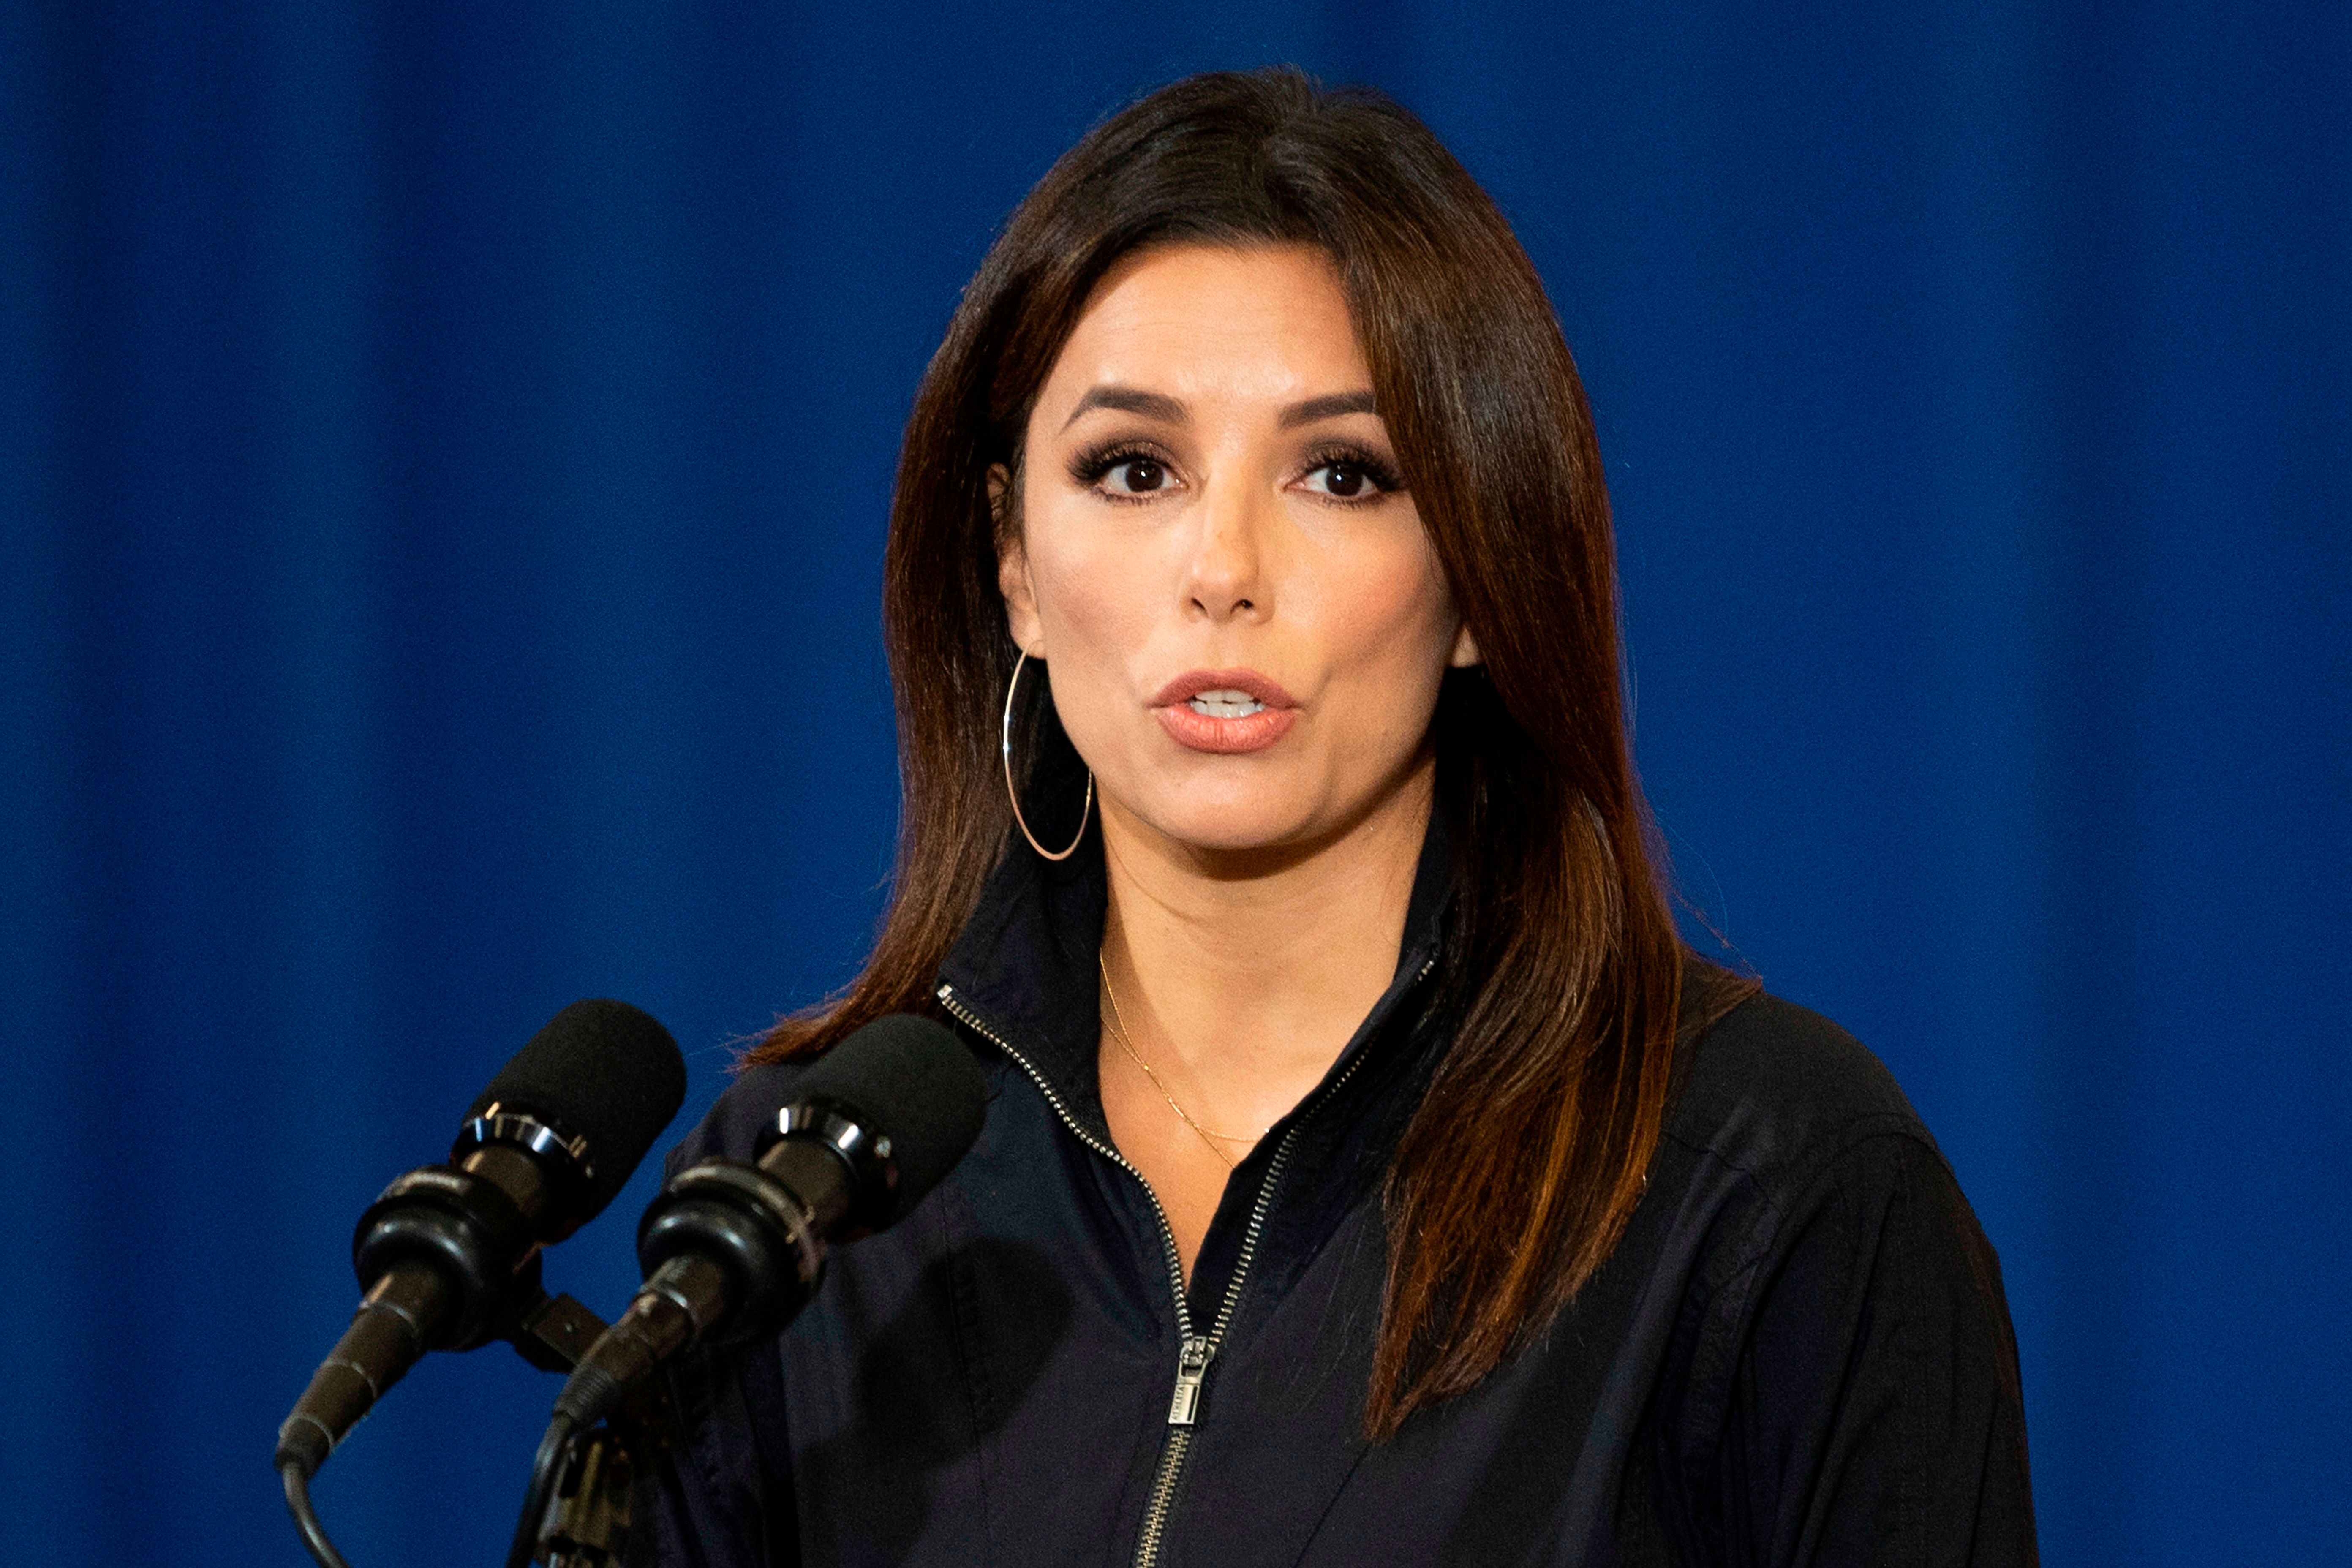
<point x="1092" y="596"/>
<point x="1094" y="602"/>
<point x="1387" y="621"/>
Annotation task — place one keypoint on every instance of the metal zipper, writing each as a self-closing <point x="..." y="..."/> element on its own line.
<point x="1194" y="1358"/>
<point x="1174" y="1259"/>
<point x="1195" y="1352"/>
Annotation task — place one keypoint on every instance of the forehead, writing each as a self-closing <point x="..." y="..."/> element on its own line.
<point x="1262" y="320"/>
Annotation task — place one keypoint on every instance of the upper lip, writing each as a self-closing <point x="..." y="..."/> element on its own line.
<point x="1192" y="682"/>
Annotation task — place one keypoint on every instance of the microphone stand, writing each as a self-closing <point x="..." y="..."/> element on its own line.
<point x="586" y="1524"/>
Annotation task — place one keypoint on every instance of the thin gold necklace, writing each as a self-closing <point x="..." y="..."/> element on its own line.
<point x="1118" y="1033"/>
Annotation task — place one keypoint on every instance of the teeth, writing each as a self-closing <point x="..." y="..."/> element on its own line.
<point x="1226" y="703"/>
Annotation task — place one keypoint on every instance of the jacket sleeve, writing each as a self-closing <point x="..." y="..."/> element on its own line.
<point x="1872" y="1409"/>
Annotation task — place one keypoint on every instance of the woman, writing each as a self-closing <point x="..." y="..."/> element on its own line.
<point x="1370" y="1173"/>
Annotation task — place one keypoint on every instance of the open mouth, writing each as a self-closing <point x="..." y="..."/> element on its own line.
<point x="1224" y="711"/>
<point x="1225" y="703"/>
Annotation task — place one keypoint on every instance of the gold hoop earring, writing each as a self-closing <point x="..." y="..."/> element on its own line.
<point x="1015" y="796"/>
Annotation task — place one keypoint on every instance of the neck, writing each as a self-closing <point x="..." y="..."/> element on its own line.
<point x="1246" y="974"/>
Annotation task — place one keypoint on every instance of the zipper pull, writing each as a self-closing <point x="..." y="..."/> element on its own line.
<point x="1191" y="1366"/>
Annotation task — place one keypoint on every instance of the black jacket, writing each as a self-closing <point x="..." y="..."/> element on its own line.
<point x="1798" y="1353"/>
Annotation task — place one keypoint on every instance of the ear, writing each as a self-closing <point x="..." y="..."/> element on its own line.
<point x="1465" y="649"/>
<point x="1013" y="570"/>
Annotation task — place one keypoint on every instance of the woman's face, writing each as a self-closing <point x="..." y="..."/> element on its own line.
<point x="1243" y="620"/>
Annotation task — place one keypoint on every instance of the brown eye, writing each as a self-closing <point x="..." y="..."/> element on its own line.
<point x="1138" y="476"/>
<point x="1344" y="479"/>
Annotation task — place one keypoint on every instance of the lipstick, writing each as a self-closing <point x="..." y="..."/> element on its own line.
<point x="1224" y="711"/>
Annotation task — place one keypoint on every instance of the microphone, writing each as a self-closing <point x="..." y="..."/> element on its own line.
<point x="447" y="1258"/>
<point x="732" y="1251"/>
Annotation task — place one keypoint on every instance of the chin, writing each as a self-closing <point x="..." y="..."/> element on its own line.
<point x="1233" y="825"/>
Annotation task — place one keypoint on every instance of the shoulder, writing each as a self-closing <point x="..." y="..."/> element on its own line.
<point x="1812" y="1182"/>
<point x="1844" y="1366"/>
<point x="1776" y="1092"/>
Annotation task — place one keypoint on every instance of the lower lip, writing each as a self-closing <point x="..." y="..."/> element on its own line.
<point x="1198" y="731"/>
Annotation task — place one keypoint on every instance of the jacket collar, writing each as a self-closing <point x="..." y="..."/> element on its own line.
<point x="1024" y="971"/>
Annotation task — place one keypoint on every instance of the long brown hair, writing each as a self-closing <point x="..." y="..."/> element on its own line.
<point x="1516" y="1176"/>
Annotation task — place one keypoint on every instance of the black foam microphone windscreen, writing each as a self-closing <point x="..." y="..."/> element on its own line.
<point x="601" y="1071"/>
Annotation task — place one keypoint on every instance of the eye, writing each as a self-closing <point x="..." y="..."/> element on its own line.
<point x="1342" y="479"/>
<point x="1123" y="472"/>
<point x="1349" y="476"/>
<point x="1135" y="476"/>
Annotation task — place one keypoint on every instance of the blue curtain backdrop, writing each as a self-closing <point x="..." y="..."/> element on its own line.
<point x="444" y="460"/>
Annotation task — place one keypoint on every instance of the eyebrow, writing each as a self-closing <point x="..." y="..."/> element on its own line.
<point x="1129" y="400"/>
<point x="1160" y="406"/>
<point x="1330" y="407"/>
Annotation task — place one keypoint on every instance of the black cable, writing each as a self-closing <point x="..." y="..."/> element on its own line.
<point x="546" y="1469"/>
<point x="592" y="1393"/>
<point x="305" y="1518"/>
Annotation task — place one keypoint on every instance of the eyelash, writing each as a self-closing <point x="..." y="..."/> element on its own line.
<point x="1385" y="480"/>
<point x="1090" y="468"/>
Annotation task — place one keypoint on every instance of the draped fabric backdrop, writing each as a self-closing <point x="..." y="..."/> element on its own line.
<point x="443" y="461"/>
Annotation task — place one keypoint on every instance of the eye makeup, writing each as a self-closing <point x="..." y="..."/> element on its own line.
<point x="1093" y="465"/>
<point x="1353" y="462"/>
<point x="1348" y="456"/>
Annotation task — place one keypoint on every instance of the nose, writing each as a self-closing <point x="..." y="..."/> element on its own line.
<point x="1225" y="578"/>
